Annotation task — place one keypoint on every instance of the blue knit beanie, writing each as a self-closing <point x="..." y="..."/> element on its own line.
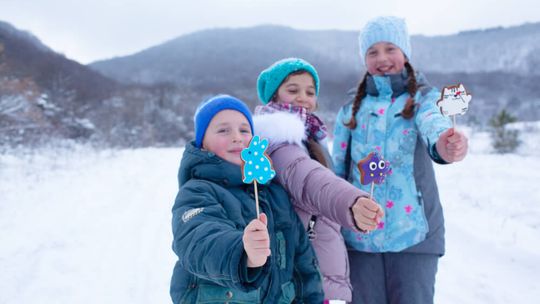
<point x="387" y="29"/>
<point x="270" y="79"/>
<point x="208" y="109"/>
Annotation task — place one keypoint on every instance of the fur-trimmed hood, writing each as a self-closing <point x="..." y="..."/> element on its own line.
<point x="314" y="190"/>
<point x="280" y="127"/>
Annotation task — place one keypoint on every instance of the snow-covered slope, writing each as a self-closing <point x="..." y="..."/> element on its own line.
<point x="85" y="226"/>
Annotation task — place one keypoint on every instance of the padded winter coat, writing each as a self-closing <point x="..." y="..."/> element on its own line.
<point x="317" y="193"/>
<point x="413" y="219"/>
<point x="210" y="213"/>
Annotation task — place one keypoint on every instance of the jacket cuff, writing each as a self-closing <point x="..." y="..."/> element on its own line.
<point x="355" y="227"/>
<point x="435" y="156"/>
<point x="253" y="278"/>
<point x="344" y="212"/>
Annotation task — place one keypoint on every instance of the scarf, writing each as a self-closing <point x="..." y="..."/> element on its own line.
<point x="314" y="126"/>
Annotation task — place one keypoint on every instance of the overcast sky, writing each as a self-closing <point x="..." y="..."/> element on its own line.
<point x="98" y="29"/>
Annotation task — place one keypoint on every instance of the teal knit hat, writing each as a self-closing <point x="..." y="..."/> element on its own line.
<point x="385" y="29"/>
<point x="270" y="79"/>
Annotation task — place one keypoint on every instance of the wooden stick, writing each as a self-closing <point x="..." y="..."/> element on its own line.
<point x="371" y="197"/>
<point x="256" y="197"/>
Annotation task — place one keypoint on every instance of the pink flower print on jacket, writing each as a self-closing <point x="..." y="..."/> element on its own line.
<point x="408" y="209"/>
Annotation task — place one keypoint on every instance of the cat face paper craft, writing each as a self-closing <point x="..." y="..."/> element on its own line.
<point x="454" y="100"/>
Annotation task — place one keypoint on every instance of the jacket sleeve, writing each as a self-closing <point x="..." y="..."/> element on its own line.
<point x="206" y="242"/>
<point x="307" y="274"/>
<point x="341" y="140"/>
<point x="313" y="187"/>
<point x="430" y="122"/>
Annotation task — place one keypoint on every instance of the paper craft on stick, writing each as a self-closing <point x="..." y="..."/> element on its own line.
<point x="373" y="170"/>
<point x="454" y="100"/>
<point x="256" y="165"/>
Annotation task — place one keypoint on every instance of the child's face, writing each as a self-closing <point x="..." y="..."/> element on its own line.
<point x="384" y="58"/>
<point x="227" y="134"/>
<point x="298" y="90"/>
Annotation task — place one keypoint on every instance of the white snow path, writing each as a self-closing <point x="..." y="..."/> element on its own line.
<point x="85" y="226"/>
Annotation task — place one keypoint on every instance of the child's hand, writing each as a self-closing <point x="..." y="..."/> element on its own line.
<point x="257" y="241"/>
<point x="452" y="145"/>
<point x="367" y="214"/>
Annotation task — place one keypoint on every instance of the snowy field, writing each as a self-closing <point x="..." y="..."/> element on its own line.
<point x="84" y="226"/>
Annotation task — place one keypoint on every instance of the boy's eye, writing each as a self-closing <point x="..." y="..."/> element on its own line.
<point x="222" y="130"/>
<point x="245" y="131"/>
<point x="293" y="91"/>
<point x="311" y="93"/>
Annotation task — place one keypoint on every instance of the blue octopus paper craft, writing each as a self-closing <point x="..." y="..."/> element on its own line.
<point x="373" y="170"/>
<point x="256" y="165"/>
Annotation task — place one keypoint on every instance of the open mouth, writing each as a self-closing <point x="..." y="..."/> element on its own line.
<point x="385" y="69"/>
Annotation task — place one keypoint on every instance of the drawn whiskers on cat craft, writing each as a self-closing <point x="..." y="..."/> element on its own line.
<point x="454" y="100"/>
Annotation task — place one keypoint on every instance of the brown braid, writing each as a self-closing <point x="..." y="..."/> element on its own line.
<point x="412" y="87"/>
<point x="360" y="94"/>
<point x="316" y="152"/>
<point x="408" y="109"/>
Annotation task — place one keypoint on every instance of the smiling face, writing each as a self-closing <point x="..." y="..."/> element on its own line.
<point x="227" y="134"/>
<point x="384" y="58"/>
<point x="298" y="90"/>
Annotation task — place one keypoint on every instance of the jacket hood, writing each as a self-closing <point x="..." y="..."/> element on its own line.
<point x="398" y="83"/>
<point x="205" y="165"/>
<point x="280" y="127"/>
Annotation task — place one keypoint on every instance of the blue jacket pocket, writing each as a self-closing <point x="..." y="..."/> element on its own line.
<point x="287" y="293"/>
<point x="210" y="294"/>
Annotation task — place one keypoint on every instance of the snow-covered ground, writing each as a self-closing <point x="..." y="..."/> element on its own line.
<point x="84" y="226"/>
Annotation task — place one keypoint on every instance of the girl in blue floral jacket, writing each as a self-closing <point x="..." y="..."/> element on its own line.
<point x="394" y="112"/>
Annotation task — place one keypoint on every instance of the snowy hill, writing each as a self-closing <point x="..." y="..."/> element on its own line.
<point x="42" y="93"/>
<point x="85" y="226"/>
<point x="149" y="98"/>
<point x="488" y="62"/>
<point x="45" y="96"/>
<point x="206" y="54"/>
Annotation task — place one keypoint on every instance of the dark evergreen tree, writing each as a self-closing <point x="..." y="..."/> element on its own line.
<point x="504" y="140"/>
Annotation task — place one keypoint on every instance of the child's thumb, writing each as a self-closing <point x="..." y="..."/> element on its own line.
<point x="263" y="218"/>
<point x="444" y="135"/>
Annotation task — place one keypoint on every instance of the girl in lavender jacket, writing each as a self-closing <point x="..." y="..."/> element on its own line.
<point x="324" y="202"/>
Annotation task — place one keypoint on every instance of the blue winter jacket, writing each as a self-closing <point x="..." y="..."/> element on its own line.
<point x="210" y="213"/>
<point x="413" y="221"/>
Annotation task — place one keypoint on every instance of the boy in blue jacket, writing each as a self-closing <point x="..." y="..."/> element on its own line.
<point x="226" y="254"/>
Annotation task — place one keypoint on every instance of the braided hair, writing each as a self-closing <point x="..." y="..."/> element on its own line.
<point x="408" y="109"/>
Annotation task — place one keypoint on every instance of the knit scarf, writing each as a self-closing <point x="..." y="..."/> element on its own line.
<point x="314" y="126"/>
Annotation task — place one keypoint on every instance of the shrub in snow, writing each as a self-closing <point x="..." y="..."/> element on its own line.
<point x="503" y="139"/>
